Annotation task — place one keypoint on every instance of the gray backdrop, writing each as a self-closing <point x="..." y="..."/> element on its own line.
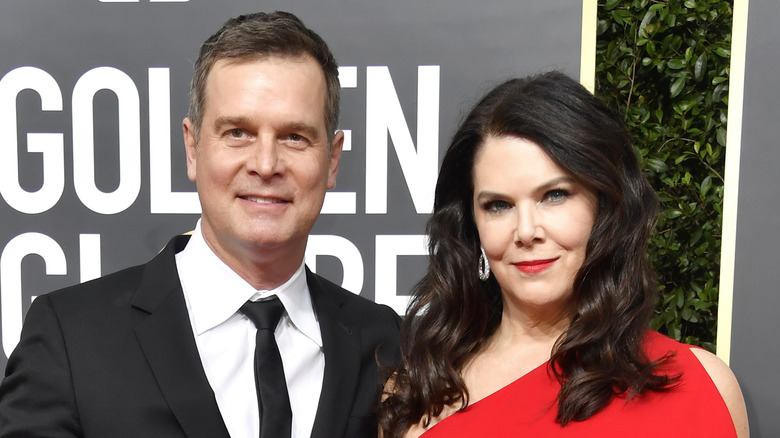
<point x="755" y="357"/>
<point x="92" y="93"/>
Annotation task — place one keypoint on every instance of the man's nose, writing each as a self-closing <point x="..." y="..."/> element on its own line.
<point x="265" y="159"/>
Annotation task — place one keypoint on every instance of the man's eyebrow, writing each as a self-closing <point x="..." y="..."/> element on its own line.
<point x="230" y="121"/>
<point x="301" y="127"/>
<point x="304" y="127"/>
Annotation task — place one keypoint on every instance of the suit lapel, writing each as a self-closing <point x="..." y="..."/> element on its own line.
<point x="169" y="346"/>
<point x="341" y="346"/>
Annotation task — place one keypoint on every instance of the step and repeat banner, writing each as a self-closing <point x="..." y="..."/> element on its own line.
<point x="93" y="92"/>
<point x="751" y="249"/>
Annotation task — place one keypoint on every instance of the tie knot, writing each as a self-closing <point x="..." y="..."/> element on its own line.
<point x="264" y="314"/>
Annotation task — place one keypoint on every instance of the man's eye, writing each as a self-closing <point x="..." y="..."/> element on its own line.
<point x="237" y="132"/>
<point x="296" y="141"/>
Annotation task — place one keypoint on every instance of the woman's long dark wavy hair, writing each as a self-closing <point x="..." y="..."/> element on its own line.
<point x="452" y="312"/>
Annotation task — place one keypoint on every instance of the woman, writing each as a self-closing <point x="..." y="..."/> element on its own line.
<point x="533" y="317"/>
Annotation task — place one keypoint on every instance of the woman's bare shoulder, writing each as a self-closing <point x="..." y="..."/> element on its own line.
<point x="727" y="385"/>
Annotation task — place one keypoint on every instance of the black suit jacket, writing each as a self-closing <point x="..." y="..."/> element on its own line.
<point x="116" y="357"/>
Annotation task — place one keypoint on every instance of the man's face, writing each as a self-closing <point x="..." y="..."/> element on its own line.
<point x="261" y="162"/>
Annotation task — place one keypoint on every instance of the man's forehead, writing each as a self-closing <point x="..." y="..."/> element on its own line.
<point x="303" y="58"/>
<point x="313" y="117"/>
<point x="304" y="61"/>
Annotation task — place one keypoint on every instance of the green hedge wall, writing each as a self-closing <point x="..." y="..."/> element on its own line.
<point x="664" y="65"/>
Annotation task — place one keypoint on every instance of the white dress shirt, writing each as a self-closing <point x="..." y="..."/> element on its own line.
<point x="226" y="339"/>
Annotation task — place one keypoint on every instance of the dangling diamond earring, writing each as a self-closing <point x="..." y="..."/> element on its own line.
<point x="483" y="267"/>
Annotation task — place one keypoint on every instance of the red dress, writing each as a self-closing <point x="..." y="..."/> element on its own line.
<point x="527" y="407"/>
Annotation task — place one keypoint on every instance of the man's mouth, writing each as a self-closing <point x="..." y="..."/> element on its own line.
<point x="263" y="200"/>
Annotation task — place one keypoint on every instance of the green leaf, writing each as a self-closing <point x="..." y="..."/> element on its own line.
<point x="676" y="64"/>
<point x="646" y="27"/>
<point x="721" y="136"/>
<point x="677" y="86"/>
<point x="695" y="236"/>
<point x="656" y="164"/>
<point x="699" y="67"/>
<point x="660" y="8"/>
<point x="722" y="52"/>
<point x="674" y="214"/>
<point x="705" y="185"/>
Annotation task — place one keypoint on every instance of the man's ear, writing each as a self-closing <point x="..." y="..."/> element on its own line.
<point x="190" y="146"/>
<point x="335" y="158"/>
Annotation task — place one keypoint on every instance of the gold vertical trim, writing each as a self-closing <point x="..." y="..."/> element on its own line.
<point x="588" y="44"/>
<point x="731" y="175"/>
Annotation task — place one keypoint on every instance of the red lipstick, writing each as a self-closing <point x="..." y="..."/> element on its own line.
<point x="535" y="266"/>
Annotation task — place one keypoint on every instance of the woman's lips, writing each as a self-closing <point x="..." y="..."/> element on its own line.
<point x="535" y="266"/>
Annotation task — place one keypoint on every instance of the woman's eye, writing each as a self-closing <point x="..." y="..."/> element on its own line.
<point x="495" y="206"/>
<point x="556" y="195"/>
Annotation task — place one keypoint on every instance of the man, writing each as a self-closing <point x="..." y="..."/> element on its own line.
<point x="167" y="349"/>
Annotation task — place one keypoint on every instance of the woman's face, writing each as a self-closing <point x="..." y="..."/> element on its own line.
<point x="534" y="221"/>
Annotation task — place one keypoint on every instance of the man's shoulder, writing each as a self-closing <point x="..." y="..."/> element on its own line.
<point x="354" y="305"/>
<point x="107" y="287"/>
<point x="119" y="285"/>
<point x="377" y="324"/>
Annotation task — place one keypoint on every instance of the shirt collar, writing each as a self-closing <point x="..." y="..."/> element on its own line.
<point x="295" y="296"/>
<point x="215" y="292"/>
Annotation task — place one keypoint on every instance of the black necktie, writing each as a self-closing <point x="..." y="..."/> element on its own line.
<point x="272" y="399"/>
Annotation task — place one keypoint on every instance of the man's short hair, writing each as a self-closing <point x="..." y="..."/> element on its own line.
<point x="258" y="36"/>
